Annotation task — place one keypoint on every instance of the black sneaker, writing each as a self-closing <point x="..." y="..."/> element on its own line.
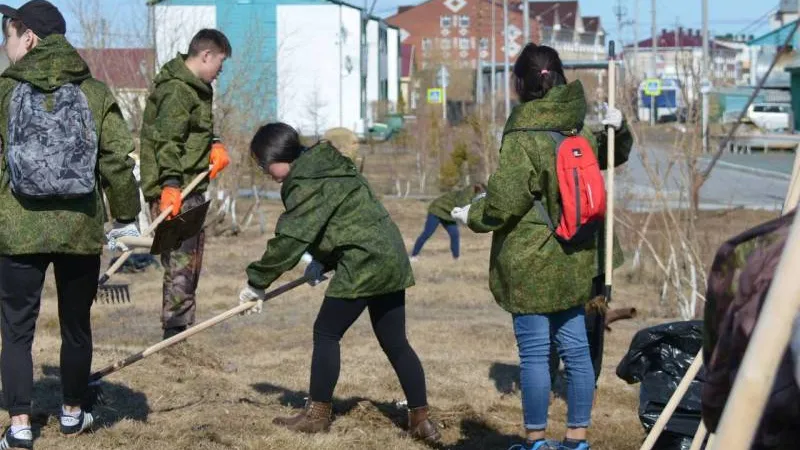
<point x="73" y="426"/>
<point x="23" y="439"/>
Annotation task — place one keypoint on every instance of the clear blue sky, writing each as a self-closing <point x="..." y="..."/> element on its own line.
<point x="127" y="17"/>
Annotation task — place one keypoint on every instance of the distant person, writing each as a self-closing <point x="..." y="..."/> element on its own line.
<point x="64" y="142"/>
<point x="178" y="143"/>
<point x="332" y="213"/>
<point x="544" y="283"/>
<point x="439" y="214"/>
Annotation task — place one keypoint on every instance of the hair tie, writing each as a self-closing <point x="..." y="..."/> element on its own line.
<point x="544" y="72"/>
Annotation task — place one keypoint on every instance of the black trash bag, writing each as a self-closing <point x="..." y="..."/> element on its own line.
<point x="137" y="262"/>
<point x="658" y="358"/>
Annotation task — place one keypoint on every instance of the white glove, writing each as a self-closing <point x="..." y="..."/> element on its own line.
<point x="249" y="294"/>
<point x="613" y="118"/>
<point x="307" y="258"/>
<point x="119" y="230"/>
<point x="461" y="214"/>
<point x="315" y="272"/>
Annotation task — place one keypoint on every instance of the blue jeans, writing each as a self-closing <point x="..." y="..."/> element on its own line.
<point x="568" y="330"/>
<point x="430" y="227"/>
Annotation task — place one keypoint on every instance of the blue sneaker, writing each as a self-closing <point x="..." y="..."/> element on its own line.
<point x="22" y="439"/>
<point x="538" y="445"/>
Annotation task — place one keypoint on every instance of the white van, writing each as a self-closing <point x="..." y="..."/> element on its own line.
<point x="770" y="116"/>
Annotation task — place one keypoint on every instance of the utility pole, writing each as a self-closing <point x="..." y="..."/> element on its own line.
<point x="506" y="64"/>
<point x="493" y="65"/>
<point x="526" y="22"/>
<point x="705" y="84"/>
<point x="653" y="59"/>
<point x="636" y="39"/>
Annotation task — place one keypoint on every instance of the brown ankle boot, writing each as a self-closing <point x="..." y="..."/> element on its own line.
<point x="315" y="418"/>
<point x="421" y="427"/>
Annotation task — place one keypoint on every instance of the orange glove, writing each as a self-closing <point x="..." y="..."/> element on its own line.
<point x="219" y="159"/>
<point x="170" y="199"/>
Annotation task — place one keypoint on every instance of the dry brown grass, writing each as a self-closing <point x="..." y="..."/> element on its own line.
<point x="222" y="390"/>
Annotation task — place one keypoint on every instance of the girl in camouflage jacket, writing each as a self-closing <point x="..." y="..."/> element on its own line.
<point x="543" y="283"/>
<point x="332" y="213"/>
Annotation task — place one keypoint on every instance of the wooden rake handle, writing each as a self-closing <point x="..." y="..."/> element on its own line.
<point x="202" y="326"/>
<point x="161" y="217"/>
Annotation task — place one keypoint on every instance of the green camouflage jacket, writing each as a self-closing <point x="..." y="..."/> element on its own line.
<point x="73" y="226"/>
<point x="332" y="213"/>
<point x="530" y="271"/>
<point x="442" y="205"/>
<point x="177" y="130"/>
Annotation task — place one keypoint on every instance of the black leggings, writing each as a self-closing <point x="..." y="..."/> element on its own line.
<point x="388" y="316"/>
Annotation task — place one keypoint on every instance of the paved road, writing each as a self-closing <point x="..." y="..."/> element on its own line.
<point x="754" y="181"/>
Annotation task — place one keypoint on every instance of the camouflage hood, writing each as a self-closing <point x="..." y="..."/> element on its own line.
<point x="562" y="109"/>
<point x="52" y="64"/>
<point x="326" y="162"/>
<point x="176" y="69"/>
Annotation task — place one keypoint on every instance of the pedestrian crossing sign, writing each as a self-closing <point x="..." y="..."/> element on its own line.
<point x="435" y="96"/>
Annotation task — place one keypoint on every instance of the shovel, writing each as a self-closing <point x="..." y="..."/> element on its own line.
<point x="94" y="379"/>
<point x="120" y="293"/>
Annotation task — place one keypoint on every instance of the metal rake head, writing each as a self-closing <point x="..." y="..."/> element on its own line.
<point x="113" y="293"/>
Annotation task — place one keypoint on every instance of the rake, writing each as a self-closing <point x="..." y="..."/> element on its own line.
<point x="96" y="377"/>
<point x="120" y="293"/>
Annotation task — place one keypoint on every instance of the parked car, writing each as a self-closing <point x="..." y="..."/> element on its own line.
<point x="770" y="116"/>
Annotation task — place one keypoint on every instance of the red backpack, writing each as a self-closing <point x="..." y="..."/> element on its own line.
<point x="582" y="190"/>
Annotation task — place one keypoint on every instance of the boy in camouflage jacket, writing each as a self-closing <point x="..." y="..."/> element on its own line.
<point x="64" y="232"/>
<point x="177" y="145"/>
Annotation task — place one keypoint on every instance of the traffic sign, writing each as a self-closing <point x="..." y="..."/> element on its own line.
<point x="652" y="87"/>
<point x="435" y="96"/>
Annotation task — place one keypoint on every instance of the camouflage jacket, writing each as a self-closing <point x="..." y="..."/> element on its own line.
<point x="177" y="129"/>
<point x="530" y="271"/>
<point x="332" y="213"/>
<point x="73" y="226"/>
<point x="442" y="205"/>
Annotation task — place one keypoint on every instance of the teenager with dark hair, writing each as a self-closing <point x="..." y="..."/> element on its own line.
<point x="544" y="283"/>
<point x="178" y="143"/>
<point x="332" y="213"/>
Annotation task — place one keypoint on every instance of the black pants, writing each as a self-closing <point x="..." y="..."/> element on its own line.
<point x="21" y="281"/>
<point x="388" y="316"/>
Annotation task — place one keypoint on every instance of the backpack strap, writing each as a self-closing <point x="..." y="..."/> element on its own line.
<point x="558" y="137"/>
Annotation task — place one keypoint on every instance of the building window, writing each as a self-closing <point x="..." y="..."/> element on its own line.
<point x="484" y="43"/>
<point x="445" y="44"/>
<point x="446" y="21"/>
<point x="463" y="21"/>
<point x="463" y="43"/>
<point x="427" y="43"/>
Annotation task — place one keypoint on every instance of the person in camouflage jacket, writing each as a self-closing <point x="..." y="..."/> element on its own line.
<point x="543" y="283"/>
<point x="332" y="213"/>
<point x="65" y="232"/>
<point x="439" y="214"/>
<point x="178" y="144"/>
